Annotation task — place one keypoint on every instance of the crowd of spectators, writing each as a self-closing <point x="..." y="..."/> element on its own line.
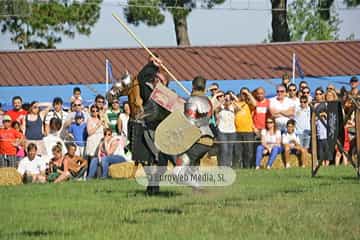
<point x="249" y="126"/>
<point x="49" y="143"/>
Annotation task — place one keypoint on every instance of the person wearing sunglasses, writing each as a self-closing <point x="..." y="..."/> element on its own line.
<point x="95" y="129"/>
<point x="113" y="113"/>
<point x="33" y="125"/>
<point x="217" y="99"/>
<point x="354" y="84"/>
<point x="100" y="102"/>
<point x="261" y="110"/>
<point x="331" y="87"/>
<point x="320" y="108"/>
<point x="225" y="122"/>
<point x="292" y="94"/>
<point x="9" y="138"/>
<point x="56" y="164"/>
<point x="110" y="151"/>
<point x="270" y="143"/>
<point x="245" y="136"/>
<point x="306" y="92"/>
<point x="303" y="84"/>
<point x="76" y="107"/>
<point x="281" y="108"/>
<point x="303" y="120"/>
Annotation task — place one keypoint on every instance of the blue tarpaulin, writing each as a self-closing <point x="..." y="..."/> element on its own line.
<point x="47" y="93"/>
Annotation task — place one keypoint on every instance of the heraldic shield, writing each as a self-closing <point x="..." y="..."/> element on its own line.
<point x="175" y="134"/>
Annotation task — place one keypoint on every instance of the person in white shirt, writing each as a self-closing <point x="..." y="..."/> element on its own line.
<point x="291" y="144"/>
<point x="270" y="143"/>
<point x="110" y="151"/>
<point x="53" y="138"/>
<point x="76" y="107"/>
<point x="292" y="93"/>
<point x="124" y="119"/>
<point x="302" y="119"/>
<point x="306" y="92"/>
<point x="281" y="108"/>
<point x="225" y="121"/>
<point x="32" y="168"/>
<point x="57" y="112"/>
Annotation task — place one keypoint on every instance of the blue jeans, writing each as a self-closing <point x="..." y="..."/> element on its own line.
<point x="274" y="152"/>
<point x="105" y="163"/>
<point x="226" y="150"/>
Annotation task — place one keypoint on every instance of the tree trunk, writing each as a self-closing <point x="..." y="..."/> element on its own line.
<point x="181" y="31"/>
<point x="324" y="9"/>
<point x="280" y="28"/>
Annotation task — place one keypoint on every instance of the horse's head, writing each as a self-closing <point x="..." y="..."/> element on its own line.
<point x="119" y="87"/>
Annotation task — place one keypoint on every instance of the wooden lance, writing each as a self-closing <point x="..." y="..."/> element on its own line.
<point x="132" y="34"/>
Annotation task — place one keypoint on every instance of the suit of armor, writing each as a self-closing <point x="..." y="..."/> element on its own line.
<point x="198" y="110"/>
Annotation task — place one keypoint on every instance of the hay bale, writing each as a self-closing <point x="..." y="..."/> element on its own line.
<point x="278" y="163"/>
<point x="9" y="176"/>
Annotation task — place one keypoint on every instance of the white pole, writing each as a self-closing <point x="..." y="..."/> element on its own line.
<point x="107" y="75"/>
<point x="293" y="68"/>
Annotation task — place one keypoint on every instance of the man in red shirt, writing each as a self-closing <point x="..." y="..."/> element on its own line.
<point x="261" y="110"/>
<point x="17" y="113"/>
<point x="9" y="139"/>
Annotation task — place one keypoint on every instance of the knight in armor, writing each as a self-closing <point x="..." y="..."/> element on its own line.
<point x="198" y="111"/>
<point x="143" y="123"/>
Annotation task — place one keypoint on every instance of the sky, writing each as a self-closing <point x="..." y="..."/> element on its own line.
<point x="224" y="25"/>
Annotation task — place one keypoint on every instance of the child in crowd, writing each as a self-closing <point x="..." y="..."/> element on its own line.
<point x="291" y="144"/>
<point x="76" y="95"/>
<point x="347" y="139"/>
<point x="20" y="151"/>
<point x="77" y="131"/>
<point x="322" y="142"/>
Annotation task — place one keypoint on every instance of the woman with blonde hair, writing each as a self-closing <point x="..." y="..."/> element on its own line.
<point x="331" y="95"/>
<point x="56" y="164"/>
<point x="74" y="167"/>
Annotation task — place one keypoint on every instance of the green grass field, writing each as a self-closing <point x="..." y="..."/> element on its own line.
<point x="276" y="204"/>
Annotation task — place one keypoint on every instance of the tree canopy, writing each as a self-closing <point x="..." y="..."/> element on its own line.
<point x="39" y="24"/>
<point x="306" y="23"/>
<point x="150" y="12"/>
